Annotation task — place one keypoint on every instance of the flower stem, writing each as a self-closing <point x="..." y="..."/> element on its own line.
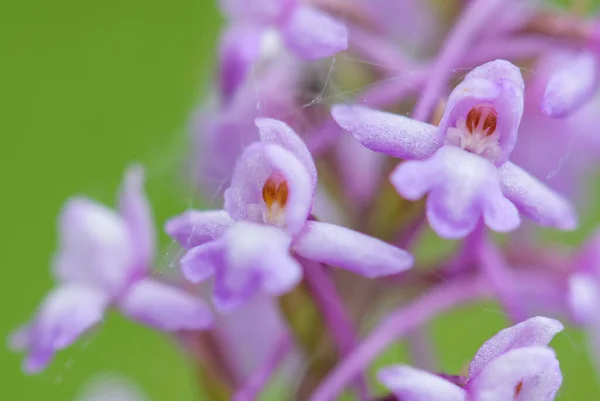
<point x="336" y="318"/>
<point x="398" y="324"/>
<point x="500" y="278"/>
<point x="471" y="21"/>
<point x="257" y="382"/>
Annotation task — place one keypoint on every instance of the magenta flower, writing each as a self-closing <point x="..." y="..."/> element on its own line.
<point x="463" y="164"/>
<point x="515" y="364"/>
<point x="258" y="27"/>
<point x="259" y="241"/>
<point x="103" y="260"/>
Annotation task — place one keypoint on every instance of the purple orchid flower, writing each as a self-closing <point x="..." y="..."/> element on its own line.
<point x="516" y="364"/>
<point x="258" y="27"/>
<point x="463" y="164"/>
<point x="257" y="243"/>
<point x="103" y="260"/>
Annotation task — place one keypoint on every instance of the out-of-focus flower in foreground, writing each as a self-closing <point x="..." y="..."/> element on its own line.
<point x="104" y="260"/>
<point x="261" y="27"/>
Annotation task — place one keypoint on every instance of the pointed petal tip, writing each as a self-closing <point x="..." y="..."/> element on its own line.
<point x="174" y="225"/>
<point x="408" y="383"/>
<point x="572" y="84"/>
<point x="547" y="108"/>
<point x="260" y="122"/>
<point x="342" y="112"/>
<point x="18" y="340"/>
<point x="31" y="366"/>
<point x="135" y="171"/>
<point x="552" y="325"/>
<point x="313" y="34"/>
<point x="570" y="222"/>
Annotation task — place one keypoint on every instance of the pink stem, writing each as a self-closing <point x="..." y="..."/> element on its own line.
<point x="336" y="318"/>
<point x="398" y="324"/>
<point x="394" y="91"/>
<point x="501" y="278"/>
<point x="422" y="352"/>
<point x="471" y="21"/>
<point x="259" y="379"/>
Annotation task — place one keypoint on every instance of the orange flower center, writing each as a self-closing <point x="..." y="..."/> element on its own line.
<point x="482" y="119"/>
<point x="275" y="194"/>
<point x="476" y="132"/>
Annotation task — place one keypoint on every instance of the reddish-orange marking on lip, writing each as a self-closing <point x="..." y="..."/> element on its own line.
<point x="489" y="123"/>
<point x="518" y="389"/>
<point x="275" y="191"/>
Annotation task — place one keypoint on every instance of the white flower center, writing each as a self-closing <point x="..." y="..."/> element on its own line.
<point x="477" y="133"/>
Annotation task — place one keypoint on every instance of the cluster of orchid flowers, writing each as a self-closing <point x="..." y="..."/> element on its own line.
<point x="312" y="243"/>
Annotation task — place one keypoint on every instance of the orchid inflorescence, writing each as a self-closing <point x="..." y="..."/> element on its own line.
<point x="306" y="273"/>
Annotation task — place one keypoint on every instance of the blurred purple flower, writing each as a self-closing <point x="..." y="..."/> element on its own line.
<point x="570" y="144"/>
<point x="464" y="162"/>
<point x="253" y="243"/>
<point x="221" y="132"/>
<point x="104" y="260"/>
<point x="573" y="83"/>
<point x="515" y="364"/>
<point x="411" y="22"/>
<point x="260" y="27"/>
<point x="584" y="292"/>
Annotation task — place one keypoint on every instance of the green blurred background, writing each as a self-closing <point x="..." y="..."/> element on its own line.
<point x="86" y="88"/>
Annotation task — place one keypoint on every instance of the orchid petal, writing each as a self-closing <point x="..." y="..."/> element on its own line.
<point x="257" y="258"/>
<point x="341" y="247"/>
<point x="95" y="246"/>
<point x="66" y="313"/>
<point x="535" y="200"/>
<point x="136" y="211"/>
<point x="530" y="373"/>
<point x="313" y="34"/>
<point x="387" y="133"/>
<point x="165" y="307"/>
<point x="462" y="188"/>
<point x="411" y="384"/>
<point x="193" y="227"/>
<point x="536" y="331"/>
<point x="572" y="85"/>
